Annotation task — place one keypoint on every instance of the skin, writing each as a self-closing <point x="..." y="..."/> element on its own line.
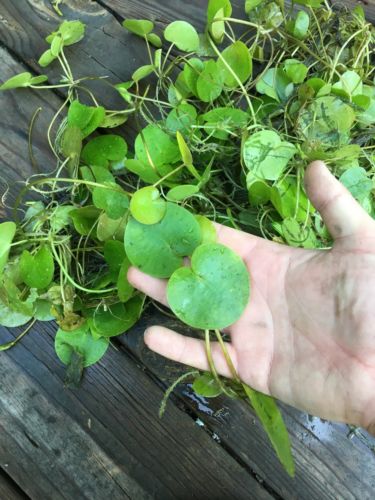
<point x="307" y="335"/>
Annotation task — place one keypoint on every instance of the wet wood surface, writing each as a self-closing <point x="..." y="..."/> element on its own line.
<point x="105" y="438"/>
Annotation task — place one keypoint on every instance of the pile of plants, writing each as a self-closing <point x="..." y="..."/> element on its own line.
<point x="227" y="122"/>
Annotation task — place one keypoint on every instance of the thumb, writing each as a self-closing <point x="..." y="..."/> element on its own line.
<point x="341" y="213"/>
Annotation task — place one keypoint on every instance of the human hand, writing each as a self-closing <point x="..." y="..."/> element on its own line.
<point x="307" y="334"/>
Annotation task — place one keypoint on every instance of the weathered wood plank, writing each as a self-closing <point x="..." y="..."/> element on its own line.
<point x="170" y="10"/>
<point x="328" y="464"/>
<point x="8" y="489"/>
<point x="104" y="438"/>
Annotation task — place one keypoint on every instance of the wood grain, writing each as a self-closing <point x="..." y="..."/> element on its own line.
<point x="104" y="438"/>
<point x="8" y="489"/>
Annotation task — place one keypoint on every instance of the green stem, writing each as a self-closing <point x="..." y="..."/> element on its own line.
<point x="8" y="345"/>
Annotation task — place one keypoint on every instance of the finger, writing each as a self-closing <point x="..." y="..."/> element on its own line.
<point x="153" y="287"/>
<point x="341" y="213"/>
<point x="189" y="351"/>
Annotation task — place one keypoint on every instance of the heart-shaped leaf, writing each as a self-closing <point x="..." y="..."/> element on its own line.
<point x="84" y="219"/>
<point x="214" y="292"/>
<point x="115" y="319"/>
<point x="70" y="31"/>
<point x="181" y="118"/>
<point x="235" y="64"/>
<point x="295" y="70"/>
<point x="146" y="206"/>
<point x="81" y="341"/>
<point x="183" y="35"/>
<point x="37" y="269"/>
<point x="276" y="84"/>
<point x="192" y="69"/>
<point x="112" y="199"/>
<point x="158" y="249"/>
<point x="7" y="233"/>
<point x="104" y="149"/>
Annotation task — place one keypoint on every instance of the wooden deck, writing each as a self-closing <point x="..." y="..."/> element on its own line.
<point x="105" y="440"/>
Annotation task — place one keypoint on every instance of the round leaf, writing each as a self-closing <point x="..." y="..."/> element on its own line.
<point x="112" y="199"/>
<point x="46" y="58"/>
<point x="183" y="35"/>
<point x="206" y="385"/>
<point x="115" y="319"/>
<point x="156" y="145"/>
<point x="214" y="292"/>
<point x="86" y="118"/>
<point x="142" y="72"/>
<point x="80" y="341"/>
<point x="146" y="206"/>
<point x="237" y="58"/>
<point x="158" y="249"/>
<point x="37" y="270"/>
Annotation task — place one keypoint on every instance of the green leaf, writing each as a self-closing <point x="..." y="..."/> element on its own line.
<point x="156" y="147"/>
<point x="17" y="81"/>
<point x="37" y="269"/>
<point x="186" y="155"/>
<point x="112" y="120"/>
<point x="284" y="197"/>
<point x="214" y="292"/>
<point x="124" y="288"/>
<point x="221" y="121"/>
<point x="159" y="249"/>
<point x="146" y="206"/>
<point x="7" y="233"/>
<point x="183" y="35"/>
<point x="56" y="45"/>
<point x="266" y="155"/>
<point x="12" y="319"/>
<point x="206" y="386"/>
<point x="112" y="199"/>
<point x="192" y="69"/>
<point x="235" y="64"/>
<point x="86" y="118"/>
<point x="71" y="143"/>
<point x="207" y="228"/>
<point x="296" y="235"/>
<point x="349" y="85"/>
<point x="276" y="84"/>
<point x="43" y="310"/>
<point x="142" y="72"/>
<point x="85" y="219"/>
<point x="252" y="4"/>
<point x="81" y="341"/>
<point x="217" y="9"/>
<point x="144" y="171"/>
<point x="310" y="3"/>
<point x="295" y="70"/>
<point x="268" y="413"/>
<point x="180" y="193"/>
<point x="38" y="79"/>
<point x="114" y="255"/>
<point x="112" y="320"/>
<point x="327" y="120"/>
<point x="60" y="217"/>
<point x="108" y="228"/>
<point x="210" y="82"/>
<point x="181" y="118"/>
<point x="300" y="26"/>
<point x="140" y="27"/>
<point x="46" y="58"/>
<point x="103" y="150"/>
<point x="155" y="40"/>
<point x="70" y="31"/>
<point x="259" y="190"/>
<point x="357" y="182"/>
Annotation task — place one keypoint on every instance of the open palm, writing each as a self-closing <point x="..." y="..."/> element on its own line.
<point x="307" y="334"/>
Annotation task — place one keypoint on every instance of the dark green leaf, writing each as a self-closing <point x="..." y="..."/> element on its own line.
<point x="85" y="219"/>
<point x="7" y="233"/>
<point x="103" y="150"/>
<point x="37" y="269"/>
<point x="86" y="118"/>
<point x="210" y="82"/>
<point x="154" y="146"/>
<point x="159" y="249"/>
